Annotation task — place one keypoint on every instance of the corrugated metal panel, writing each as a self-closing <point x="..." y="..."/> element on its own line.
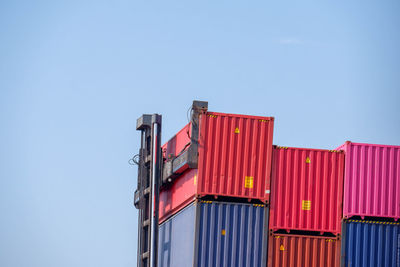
<point x="232" y="235"/>
<point x="371" y="244"/>
<point x="177" y="195"/>
<point x="307" y="189"/>
<point x="215" y="234"/>
<point x="234" y="161"/>
<point x="310" y="251"/>
<point x="235" y="155"/>
<point x="372" y="180"/>
<point x="176" y="239"/>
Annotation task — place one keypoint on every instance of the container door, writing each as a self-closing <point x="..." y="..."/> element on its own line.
<point x="231" y="234"/>
<point x="368" y="243"/>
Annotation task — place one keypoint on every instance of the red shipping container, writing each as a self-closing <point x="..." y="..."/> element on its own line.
<point x="234" y="160"/>
<point x="372" y="180"/>
<point x="307" y="188"/>
<point x="177" y="143"/>
<point x="297" y="250"/>
<point x="235" y="155"/>
<point x="179" y="195"/>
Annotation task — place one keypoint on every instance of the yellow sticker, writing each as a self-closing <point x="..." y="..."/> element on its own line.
<point x="223" y="232"/>
<point x="237" y="130"/>
<point x="308" y="160"/>
<point x="248" y="181"/>
<point x="282" y="248"/>
<point x="195" y="179"/>
<point x="306" y="204"/>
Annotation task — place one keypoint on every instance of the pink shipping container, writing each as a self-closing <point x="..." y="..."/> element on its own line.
<point x="372" y="180"/>
<point x="298" y="250"/>
<point x="307" y="190"/>
<point x="234" y="160"/>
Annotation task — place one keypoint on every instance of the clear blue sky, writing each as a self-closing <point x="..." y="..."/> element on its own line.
<point x="75" y="75"/>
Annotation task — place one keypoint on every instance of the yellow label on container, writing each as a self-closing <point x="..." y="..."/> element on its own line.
<point x="195" y="179"/>
<point x="306" y="205"/>
<point x="248" y="181"/>
<point x="223" y="232"/>
<point x="237" y="130"/>
<point x="281" y="248"/>
<point x="308" y="160"/>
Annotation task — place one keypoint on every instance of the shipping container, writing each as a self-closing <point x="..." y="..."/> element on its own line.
<point x="178" y="195"/>
<point x="208" y="233"/>
<point x="372" y="180"/>
<point x="302" y="250"/>
<point x="235" y="155"/>
<point x="177" y="143"/>
<point x="234" y="160"/>
<point x="370" y="244"/>
<point x="307" y="189"/>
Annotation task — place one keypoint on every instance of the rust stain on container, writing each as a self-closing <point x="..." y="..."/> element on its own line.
<point x="372" y="180"/>
<point x="307" y="189"/>
<point x="297" y="250"/>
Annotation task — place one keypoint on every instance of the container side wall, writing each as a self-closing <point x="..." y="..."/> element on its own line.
<point x="176" y="239"/>
<point x="235" y="155"/>
<point x="177" y="143"/>
<point x="372" y="181"/>
<point x="369" y="244"/>
<point x="307" y="190"/>
<point x="295" y="250"/>
<point x="231" y="235"/>
<point x="177" y="195"/>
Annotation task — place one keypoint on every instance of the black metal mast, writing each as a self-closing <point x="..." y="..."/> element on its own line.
<point x="153" y="173"/>
<point x="147" y="192"/>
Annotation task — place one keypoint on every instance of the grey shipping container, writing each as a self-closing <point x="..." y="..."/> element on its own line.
<point x="370" y="244"/>
<point x="216" y="234"/>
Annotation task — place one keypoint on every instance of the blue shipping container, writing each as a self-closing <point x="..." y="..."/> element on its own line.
<point x="215" y="234"/>
<point x="369" y="243"/>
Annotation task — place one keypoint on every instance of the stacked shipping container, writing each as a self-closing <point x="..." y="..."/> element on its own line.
<point x="178" y="195"/>
<point x="303" y="250"/>
<point x="234" y="161"/>
<point x="209" y="233"/>
<point x="371" y="190"/>
<point x="307" y="186"/>
<point x="235" y="156"/>
<point x="234" y="165"/>
<point x="371" y="243"/>
<point x="372" y="180"/>
<point x="316" y="196"/>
